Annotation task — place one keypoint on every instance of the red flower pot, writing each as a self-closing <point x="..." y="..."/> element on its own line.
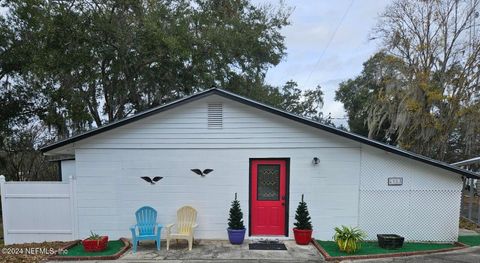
<point x="95" y="245"/>
<point x="302" y="237"/>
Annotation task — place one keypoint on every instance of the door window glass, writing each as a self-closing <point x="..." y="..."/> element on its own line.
<point x="268" y="182"/>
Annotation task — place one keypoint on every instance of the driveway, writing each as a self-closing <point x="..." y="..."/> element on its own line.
<point x="467" y="255"/>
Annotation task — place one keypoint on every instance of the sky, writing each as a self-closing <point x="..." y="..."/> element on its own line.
<point x="327" y="43"/>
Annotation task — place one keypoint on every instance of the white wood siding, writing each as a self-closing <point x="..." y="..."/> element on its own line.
<point x="169" y="144"/>
<point x="186" y="127"/>
<point x="425" y="208"/>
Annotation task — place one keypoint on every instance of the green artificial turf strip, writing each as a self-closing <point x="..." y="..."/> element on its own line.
<point x="470" y="240"/>
<point x="370" y="248"/>
<point x="112" y="248"/>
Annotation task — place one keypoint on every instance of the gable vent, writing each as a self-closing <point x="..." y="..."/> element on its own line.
<point x="215" y="115"/>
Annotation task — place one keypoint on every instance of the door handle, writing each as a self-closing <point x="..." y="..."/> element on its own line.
<point x="283" y="204"/>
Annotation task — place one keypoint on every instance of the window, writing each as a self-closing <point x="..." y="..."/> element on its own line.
<point x="268" y="182"/>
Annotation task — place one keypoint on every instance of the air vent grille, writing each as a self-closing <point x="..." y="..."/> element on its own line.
<point x="215" y="115"/>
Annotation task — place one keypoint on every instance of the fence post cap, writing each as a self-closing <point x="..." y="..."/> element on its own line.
<point x="2" y="179"/>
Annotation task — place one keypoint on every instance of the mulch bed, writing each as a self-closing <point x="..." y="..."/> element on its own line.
<point x="468" y="224"/>
<point x="74" y="251"/>
<point x="328" y="257"/>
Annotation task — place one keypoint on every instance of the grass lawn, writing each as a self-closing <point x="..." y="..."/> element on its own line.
<point x="370" y="248"/>
<point x="113" y="247"/>
<point x="470" y="240"/>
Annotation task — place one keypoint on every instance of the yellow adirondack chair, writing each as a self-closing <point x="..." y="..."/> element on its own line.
<point x="186" y="218"/>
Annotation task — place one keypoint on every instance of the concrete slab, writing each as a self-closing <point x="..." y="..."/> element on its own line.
<point x="222" y="250"/>
<point x="218" y="251"/>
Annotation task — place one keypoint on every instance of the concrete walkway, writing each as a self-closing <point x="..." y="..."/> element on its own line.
<point x="218" y="251"/>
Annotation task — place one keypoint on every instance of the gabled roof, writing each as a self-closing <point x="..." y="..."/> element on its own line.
<point x="264" y="107"/>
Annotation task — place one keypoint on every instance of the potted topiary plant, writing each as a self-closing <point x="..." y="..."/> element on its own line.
<point x="95" y="243"/>
<point x="236" y="229"/>
<point x="303" y="225"/>
<point x="348" y="239"/>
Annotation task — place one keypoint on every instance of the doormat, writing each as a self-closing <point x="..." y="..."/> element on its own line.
<point x="267" y="246"/>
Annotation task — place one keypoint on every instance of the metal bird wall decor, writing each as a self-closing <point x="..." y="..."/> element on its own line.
<point x="202" y="174"/>
<point x="152" y="180"/>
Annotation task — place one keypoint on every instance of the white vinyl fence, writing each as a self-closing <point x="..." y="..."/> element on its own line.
<point x="37" y="211"/>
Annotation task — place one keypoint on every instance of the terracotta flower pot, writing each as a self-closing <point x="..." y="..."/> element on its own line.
<point x="302" y="237"/>
<point x="90" y="245"/>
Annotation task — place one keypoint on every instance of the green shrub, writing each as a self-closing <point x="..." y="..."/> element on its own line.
<point x="348" y="239"/>
<point x="303" y="217"/>
<point x="235" y="221"/>
<point x="94" y="236"/>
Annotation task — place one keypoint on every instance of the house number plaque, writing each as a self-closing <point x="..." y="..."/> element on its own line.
<point x="394" y="181"/>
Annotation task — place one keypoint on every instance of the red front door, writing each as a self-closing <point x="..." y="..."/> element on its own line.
<point x="268" y="196"/>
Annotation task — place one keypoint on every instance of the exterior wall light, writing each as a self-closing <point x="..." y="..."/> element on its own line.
<point x="315" y="160"/>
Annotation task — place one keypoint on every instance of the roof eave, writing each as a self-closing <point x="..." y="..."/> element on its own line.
<point x="261" y="106"/>
<point x="353" y="136"/>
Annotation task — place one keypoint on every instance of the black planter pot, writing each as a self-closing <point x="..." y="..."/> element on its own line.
<point x="390" y="241"/>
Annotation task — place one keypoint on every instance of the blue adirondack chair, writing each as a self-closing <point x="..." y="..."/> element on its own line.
<point x="146" y="228"/>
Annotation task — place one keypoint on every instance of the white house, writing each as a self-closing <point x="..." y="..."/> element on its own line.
<point x="268" y="156"/>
